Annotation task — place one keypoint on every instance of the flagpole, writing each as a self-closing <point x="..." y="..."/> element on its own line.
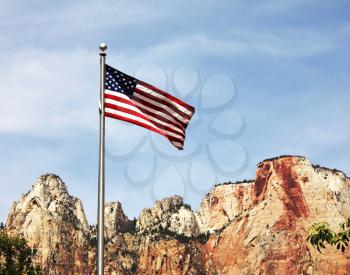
<point x="101" y="170"/>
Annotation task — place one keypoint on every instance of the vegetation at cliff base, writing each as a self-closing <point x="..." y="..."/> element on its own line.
<point x="320" y="235"/>
<point x="16" y="256"/>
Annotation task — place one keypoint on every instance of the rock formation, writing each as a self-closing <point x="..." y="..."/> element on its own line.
<point x="169" y="214"/>
<point x="268" y="236"/>
<point x="115" y="219"/>
<point x="54" y="223"/>
<point x="251" y="227"/>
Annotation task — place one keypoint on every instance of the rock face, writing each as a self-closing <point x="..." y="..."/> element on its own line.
<point x="224" y="203"/>
<point x="115" y="219"/>
<point x="268" y="235"/>
<point x="54" y="223"/>
<point x="254" y="227"/>
<point x="171" y="257"/>
<point x="169" y="214"/>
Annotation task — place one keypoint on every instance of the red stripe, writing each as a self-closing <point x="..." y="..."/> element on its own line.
<point x="169" y="105"/>
<point x="172" y="98"/>
<point x="126" y="110"/>
<point x="170" y="138"/>
<point x="166" y="128"/>
<point x="148" y="114"/>
<point x="157" y="108"/>
<point x="137" y="114"/>
<point x="181" y="147"/>
<point x="120" y="99"/>
<point x="156" y="116"/>
<point x="135" y="122"/>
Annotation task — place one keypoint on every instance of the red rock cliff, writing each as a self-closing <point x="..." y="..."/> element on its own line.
<point x="254" y="227"/>
<point x="269" y="236"/>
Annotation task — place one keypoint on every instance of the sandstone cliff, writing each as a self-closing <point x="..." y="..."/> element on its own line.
<point x="268" y="235"/>
<point x="252" y="227"/>
<point x="169" y="214"/>
<point x="54" y="223"/>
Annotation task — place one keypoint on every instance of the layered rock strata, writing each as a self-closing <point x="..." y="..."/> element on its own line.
<point x="251" y="227"/>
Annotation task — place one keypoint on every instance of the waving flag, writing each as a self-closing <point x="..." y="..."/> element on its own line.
<point x="132" y="100"/>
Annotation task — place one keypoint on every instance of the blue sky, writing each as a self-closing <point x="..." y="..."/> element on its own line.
<point x="266" y="77"/>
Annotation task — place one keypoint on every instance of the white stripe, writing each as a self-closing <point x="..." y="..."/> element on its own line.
<point x="177" y="144"/>
<point x="153" y="117"/>
<point x="133" y="108"/>
<point x="109" y="92"/>
<point x="117" y="94"/>
<point x="175" y="129"/>
<point x="164" y="98"/>
<point x="159" y="113"/>
<point x="133" y="117"/>
<point x="172" y="112"/>
<point x="130" y="116"/>
<point x="124" y="105"/>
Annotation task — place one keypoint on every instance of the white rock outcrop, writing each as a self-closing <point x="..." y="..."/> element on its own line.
<point x="170" y="214"/>
<point x="53" y="222"/>
<point x="115" y="219"/>
<point x="256" y="227"/>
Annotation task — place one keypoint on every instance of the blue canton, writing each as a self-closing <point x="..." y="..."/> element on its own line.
<point x="119" y="82"/>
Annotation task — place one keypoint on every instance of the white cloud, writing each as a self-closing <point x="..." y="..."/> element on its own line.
<point x="50" y="89"/>
<point x="282" y="44"/>
<point x="47" y="92"/>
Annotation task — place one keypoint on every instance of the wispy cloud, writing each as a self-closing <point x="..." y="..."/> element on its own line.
<point x="284" y="44"/>
<point x="46" y="92"/>
<point x="288" y="60"/>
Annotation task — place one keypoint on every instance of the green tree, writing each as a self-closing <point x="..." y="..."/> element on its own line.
<point x="16" y="256"/>
<point x="320" y="235"/>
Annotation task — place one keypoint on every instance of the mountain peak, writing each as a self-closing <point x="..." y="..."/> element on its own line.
<point x="52" y="221"/>
<point x="50" y="181"/>
<point x="296" y="157"/>
<point x="169" y="214"/>
<point x="115" y="219"/>
<point x="251" y="226"/>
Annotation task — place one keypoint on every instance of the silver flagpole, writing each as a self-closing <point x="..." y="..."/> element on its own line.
<point x="101" y="170"/>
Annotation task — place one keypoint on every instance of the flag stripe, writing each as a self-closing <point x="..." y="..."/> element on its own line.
<point x="169" y="129"/>
<point x="112" y="100"/>
<point x="130" y="118"/>
<point x="161" y="116"/>
<point x="113" y="94"/>
<point x="163" y="125"/>
<point x="183" y="112"/>
<point x="158" y="111"/>
<point x="134" y="101"/>
<point x="177" y="143"/>
<point x="143" y="118"/>
<point x="130" y="110"/>
<point x="146" y="99"/>
<point x="122" y="116"/>
<point x="170" y="97"/>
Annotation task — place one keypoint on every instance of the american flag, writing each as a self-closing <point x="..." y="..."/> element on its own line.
<point x="132" y="100"/>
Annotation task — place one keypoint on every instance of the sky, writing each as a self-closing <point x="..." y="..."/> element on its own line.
<point x="267" y="78"/>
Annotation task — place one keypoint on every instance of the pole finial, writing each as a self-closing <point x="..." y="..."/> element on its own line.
<point x="103" y="47"/>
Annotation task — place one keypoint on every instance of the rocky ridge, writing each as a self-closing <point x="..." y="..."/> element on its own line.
<point x="54" y="223"/>
<point x="251" y="227"/>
